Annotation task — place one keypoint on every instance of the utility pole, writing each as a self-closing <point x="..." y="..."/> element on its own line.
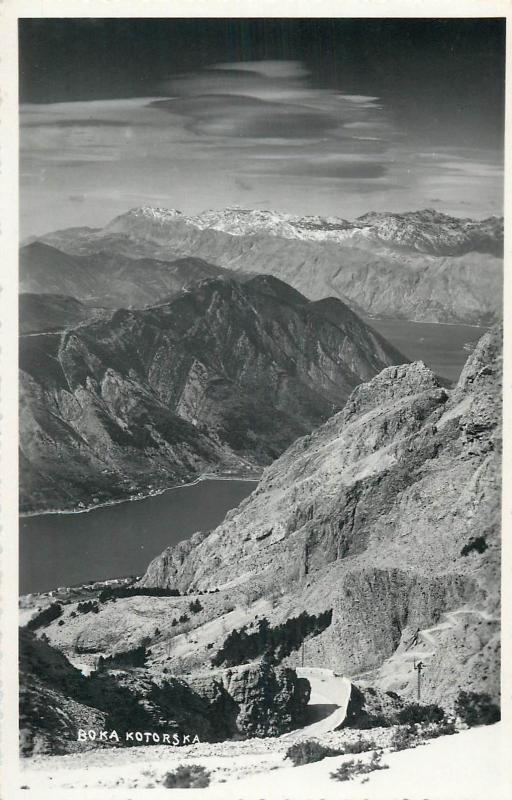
<point x="419" y="666"/>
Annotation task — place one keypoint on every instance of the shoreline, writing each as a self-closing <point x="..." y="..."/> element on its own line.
<point x="207" y="476"/>
<point x="427" y="322"/>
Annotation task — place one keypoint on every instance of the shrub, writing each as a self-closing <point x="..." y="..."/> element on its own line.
<point x="404" y="738"/>
<point x="446" y="728"/>
<point x="87" y="606"/>
<point x="184" y="618"/>
<point x="309" y="751"/>
<point x="352" y="769"/>
<point x="478" y="545"/>
<point x="195" y="606"/>
<point x="45" y="616"/>
<point x="476" y="708"/>
<point x="415" y="712"/>
<point x="359" y="746"/>
<point x="190" y="776"/>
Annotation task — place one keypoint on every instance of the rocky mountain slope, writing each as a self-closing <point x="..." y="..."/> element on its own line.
<point x="108" y="279"/>
<point x="420" y="265"/>
<point x="224" y="376"/>
<point x="56" y="700"/>
<point x="388" y="514"/>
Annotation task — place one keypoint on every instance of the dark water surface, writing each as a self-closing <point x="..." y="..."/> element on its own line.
<point x="440" y="346"/>
<point x="68" y="549"/>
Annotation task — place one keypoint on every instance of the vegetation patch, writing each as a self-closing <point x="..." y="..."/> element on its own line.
<point x="190" y="776"/>
<point x="87" y="606"/>
<point x="404" y="738"/>
<point x="112" y="592"/>
<point x="44" y="617"/>
<point x="353" y="769"/>
<point x="476" y="545"/>
<point x="476" y="708"/>
<point x="241" y="646"/>
<point x="361" y="745"/>
<point x="415" y="712"/>
<point x="309" y="751"/>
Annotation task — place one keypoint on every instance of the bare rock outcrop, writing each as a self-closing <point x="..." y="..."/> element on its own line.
<point x="255" y="699"/>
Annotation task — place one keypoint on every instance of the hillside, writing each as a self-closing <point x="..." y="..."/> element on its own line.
<point x="421" y="265"/>
<point x="222" y="377"/>
<point x="388" y="514"/>
<point x="47" y="313"/>
<point x="108" y="279"/>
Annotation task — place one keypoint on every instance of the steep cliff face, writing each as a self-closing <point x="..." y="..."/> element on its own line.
<point x="225" y="376"/>
<point x="421" y="265"/>
<point x="390" y="515"/>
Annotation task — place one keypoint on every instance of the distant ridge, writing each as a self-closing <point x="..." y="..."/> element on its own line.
<point x="419" y="265"/>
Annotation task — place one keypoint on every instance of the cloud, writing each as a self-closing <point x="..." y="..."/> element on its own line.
<point x="270" y="69"/>
<point x="243" y="184"/>
<point x="83" y="123"/>
<point x="238" y="133"/>
<point x="363" y="170"/>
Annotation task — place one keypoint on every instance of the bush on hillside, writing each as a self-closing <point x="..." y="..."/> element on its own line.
<point x="445" y="728"/>
<point x="477" y="545"/>
<point x="190" y="776"/>
<point x="404" y="738"/>
<point x="309" y="751"/>
<point x="359" y="746"/>
<point x="87" y="606"/>
<point x="195" y="606"/>
<point x="476" y="708"/>
<point x="44" y="617"/>
<point x="415" y="712"/>
<point x="352" y="769"/>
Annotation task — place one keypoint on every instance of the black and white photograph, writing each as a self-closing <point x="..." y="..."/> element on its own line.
<point x="260" y="351"/>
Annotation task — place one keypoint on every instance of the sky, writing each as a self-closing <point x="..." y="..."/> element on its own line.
<point x="334" y="117"/>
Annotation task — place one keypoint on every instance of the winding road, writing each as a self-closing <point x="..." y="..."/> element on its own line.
<point x="328" y="703"/>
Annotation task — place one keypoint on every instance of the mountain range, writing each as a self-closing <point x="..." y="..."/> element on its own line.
<point x="421" y="265"/>
<point x="223" y="376"/>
